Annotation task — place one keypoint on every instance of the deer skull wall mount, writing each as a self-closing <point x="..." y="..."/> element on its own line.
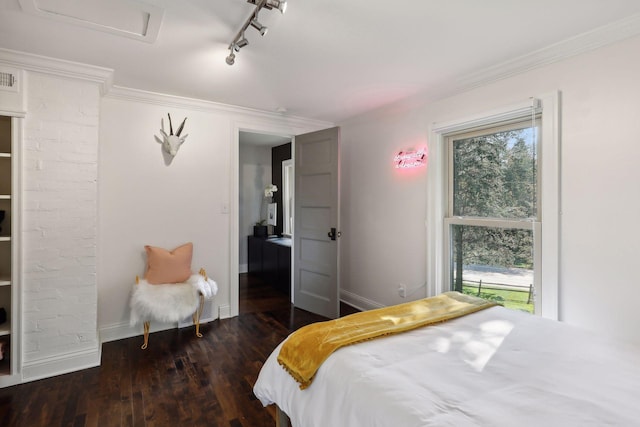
<point x="171" y="143"/>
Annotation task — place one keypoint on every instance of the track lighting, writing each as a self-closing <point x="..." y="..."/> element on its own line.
<point x="258" y="26"/>
<point x="239" y="44"/>
<point x="239" y="40"/>
<point x="281" y="5"/>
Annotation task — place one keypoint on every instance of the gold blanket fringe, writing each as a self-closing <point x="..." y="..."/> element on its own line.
<point x="307" y="348"/>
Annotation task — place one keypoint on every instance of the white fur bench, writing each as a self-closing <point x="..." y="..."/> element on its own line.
<point x="171" y="302"/>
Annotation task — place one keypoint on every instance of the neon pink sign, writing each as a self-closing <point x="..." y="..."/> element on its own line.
<point x="410" y="159"/>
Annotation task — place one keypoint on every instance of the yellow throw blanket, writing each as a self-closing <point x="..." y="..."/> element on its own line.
<point x="307" y="348"/>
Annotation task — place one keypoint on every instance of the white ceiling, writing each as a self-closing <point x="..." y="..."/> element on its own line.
<point x="324" y="59"/>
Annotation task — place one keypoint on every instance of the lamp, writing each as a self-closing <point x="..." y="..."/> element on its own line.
<point x="240" y="41"/>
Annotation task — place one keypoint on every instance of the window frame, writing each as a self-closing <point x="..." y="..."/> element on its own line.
<point x="546" y="227"/>
<point x="532" y="223"/>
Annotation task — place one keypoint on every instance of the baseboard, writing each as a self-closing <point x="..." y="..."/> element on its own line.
<point x="361" y="303"/>
<point x="243" y="268"/>
<point x="9" y="380"/>
<point x="61" y="364"/>
<point x="121" y="331"/>
<point x="224" y="312"/>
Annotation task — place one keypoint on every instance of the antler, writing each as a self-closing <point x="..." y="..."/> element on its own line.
<point x="170" y="126"/>
<point x="181" y="127"/>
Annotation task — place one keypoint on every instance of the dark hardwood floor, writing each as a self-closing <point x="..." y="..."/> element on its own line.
<point x="180" y="380"/>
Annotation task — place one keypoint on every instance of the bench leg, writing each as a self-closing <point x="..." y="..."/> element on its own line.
<point x="146" y="335"/>
<point x="196" y="317"/>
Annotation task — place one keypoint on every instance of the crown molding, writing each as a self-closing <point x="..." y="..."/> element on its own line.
<point x="58" y="67"/>
<point x="165" y="100"/>
<point x="582" y="43"/>
<point x="104" y="78"/>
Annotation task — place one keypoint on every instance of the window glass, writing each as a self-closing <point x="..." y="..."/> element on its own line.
<point x="492" y="214"/>
<point x="494" y="174"/>
<point x="495" y="264"/>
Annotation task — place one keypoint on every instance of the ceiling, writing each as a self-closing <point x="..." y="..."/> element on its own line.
<point x="326" y="60"/>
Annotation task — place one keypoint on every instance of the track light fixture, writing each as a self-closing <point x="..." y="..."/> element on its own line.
<point x="258" y="26"/>
<point x="240" y="41"/>
<point x="236" y="46"/>
<point x="281" y="5"/>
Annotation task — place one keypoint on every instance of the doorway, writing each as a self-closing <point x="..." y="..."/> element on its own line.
<point x="264" y="250"/>
<point x="313" y="153"/>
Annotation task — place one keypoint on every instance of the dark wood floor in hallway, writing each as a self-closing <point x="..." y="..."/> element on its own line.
<point x="180" y="380"/>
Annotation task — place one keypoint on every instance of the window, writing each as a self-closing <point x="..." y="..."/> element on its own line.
<point x="493" y="205"/>
<point x="287" y="197"/>
<point x="492" y="222"/>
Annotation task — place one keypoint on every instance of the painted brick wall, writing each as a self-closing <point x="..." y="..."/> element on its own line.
<point x="60" y="162"/>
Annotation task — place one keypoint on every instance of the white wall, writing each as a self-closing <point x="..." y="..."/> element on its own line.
<point x="255" y="174"/>
<point x="144" y="201"/>
<point x="59" y="226"/>
<point x="383" y="214"/>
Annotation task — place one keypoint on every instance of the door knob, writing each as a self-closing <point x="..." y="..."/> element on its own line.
<point x="333" y="234"/>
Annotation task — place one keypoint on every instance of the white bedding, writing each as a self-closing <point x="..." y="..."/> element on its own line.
<point x="496" y="367"/>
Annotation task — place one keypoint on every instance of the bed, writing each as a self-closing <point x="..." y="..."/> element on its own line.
<point x="494" y="367"/>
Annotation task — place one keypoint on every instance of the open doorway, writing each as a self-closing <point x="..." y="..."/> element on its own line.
<point x="264" y="227"/>
<point x="312" y="152"/>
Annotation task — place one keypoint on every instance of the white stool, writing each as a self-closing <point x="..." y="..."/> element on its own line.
<point x="170" y="302"/>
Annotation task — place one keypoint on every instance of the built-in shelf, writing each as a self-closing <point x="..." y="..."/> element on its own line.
<point x="9" y="179"/>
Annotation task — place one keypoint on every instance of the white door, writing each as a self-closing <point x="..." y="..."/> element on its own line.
<point x="316" y="227"/>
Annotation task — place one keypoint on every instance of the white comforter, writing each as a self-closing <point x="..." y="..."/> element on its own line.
<point x="492" y="368"/>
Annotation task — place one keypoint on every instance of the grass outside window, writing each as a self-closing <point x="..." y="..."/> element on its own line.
<point x="508" y="298"/>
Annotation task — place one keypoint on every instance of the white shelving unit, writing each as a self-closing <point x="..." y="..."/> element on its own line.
<point x="7" y="288"/>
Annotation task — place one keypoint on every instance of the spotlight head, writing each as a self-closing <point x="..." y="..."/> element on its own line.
<point x="238" y="44"/>
<point x="242" y="42"/>
<point x="281" y="5"/>
<point x="231" y="59"/>
<point x="258" y="26"/>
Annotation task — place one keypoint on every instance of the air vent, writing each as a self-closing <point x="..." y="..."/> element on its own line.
<point x="129" y="18"/>
<point x="7" y="80"/>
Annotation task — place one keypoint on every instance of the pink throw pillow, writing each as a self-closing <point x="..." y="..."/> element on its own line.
<point x="168" y="267"/>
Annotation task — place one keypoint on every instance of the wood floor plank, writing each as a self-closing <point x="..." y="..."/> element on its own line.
<point x="179" y="380"/>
